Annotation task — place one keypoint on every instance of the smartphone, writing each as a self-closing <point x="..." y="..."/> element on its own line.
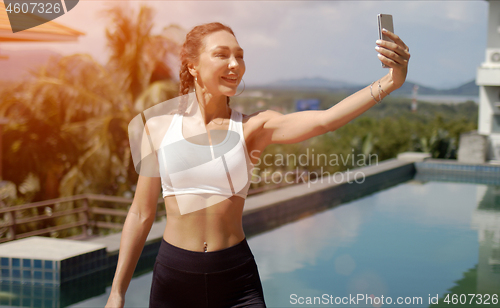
<point x="385" y="21"/>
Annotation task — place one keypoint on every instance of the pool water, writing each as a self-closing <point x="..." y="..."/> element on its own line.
<point x="413" y="240"/>
<point x="414" y="243"/>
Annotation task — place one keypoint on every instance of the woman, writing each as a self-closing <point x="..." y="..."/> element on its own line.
<point x="204" y="259"/>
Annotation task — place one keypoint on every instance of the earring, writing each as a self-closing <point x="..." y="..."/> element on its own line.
<point x="243" y="88"/>
<point x="194" y="85"/>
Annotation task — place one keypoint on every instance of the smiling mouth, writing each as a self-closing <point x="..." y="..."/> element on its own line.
<point x="230" y="79"/>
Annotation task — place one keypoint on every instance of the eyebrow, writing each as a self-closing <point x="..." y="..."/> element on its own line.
<point x="227" y="48"/>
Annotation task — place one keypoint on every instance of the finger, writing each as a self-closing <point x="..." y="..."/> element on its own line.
<point x="395" y="38"/>
<point x="392" y="55"/>
<point x="404" y="53"/>
<point x="389" y="62"/>
<point x="393" y="46"/>
<point x="391" y="59"/>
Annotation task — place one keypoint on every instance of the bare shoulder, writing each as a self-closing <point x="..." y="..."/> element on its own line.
<point x="259" y="118"/>
<point x="157" y="127"/>
<point x="254" y="128"/>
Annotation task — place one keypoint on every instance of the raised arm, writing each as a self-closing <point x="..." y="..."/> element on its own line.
<point x="299" y="126"/>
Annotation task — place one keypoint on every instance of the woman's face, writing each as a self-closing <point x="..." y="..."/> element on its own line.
<point x="220" y="66"/>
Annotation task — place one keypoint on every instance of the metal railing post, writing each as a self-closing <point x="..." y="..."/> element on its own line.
<point x="85" y="216"/>
<point x="12" y="227"/>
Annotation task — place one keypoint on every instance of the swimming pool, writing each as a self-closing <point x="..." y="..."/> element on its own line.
<point x="412" y="242"/>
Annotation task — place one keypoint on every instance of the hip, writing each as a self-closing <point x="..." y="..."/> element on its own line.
<point x="204" y="262"/>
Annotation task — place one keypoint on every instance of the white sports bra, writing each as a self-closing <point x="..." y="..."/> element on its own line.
<point x="223" y="169"/>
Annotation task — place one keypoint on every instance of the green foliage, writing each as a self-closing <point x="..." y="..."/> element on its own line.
<point x="69" y="124"/>
<point x="467" y="293"/>
<point x="380" y="133"/>
<point x="68" y="129"/>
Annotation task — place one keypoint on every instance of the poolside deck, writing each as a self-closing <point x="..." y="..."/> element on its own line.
<point x="274" y="208"/>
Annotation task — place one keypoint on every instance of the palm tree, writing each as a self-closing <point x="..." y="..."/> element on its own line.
<point x="70" y="124"/>
<point x="140" y="58"/>
<point x="58" y="120"/>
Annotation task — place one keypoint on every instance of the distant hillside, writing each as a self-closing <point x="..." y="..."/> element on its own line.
<point x="19" y="62"/>
<point x="309" y="83"/>
<point x="468" y="89"/>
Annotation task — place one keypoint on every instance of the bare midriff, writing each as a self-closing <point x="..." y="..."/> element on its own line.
<point x="213" y="228"/>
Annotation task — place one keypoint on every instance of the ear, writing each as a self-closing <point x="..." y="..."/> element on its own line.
<point x="192" y="70"/>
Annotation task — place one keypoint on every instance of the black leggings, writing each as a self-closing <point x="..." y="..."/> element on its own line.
<point x="222" y="278"/>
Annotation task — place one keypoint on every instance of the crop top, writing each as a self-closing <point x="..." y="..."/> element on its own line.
<point x="223" y="169"/>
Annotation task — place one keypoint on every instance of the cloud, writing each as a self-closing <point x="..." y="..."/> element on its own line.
<point x="301" y="243"/>
<point x="332" y="39"/>
<point x="443" y="206"/>
<point x="262" y="40"/>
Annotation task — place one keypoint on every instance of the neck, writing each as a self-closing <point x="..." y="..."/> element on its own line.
<point x="211" y="106"/>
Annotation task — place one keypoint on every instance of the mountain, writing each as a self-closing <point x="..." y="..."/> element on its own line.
<point x="307" y="83"/>
<point x="469" y="89"/>
<point x="19" y="62"/>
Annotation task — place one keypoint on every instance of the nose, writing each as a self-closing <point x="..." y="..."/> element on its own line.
<point x="233" y="63"/>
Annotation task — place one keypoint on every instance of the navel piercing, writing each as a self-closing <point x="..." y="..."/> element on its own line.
<point x="205" y="246"/>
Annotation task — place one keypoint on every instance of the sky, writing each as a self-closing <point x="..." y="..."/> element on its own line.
<point x="296" y="39"/>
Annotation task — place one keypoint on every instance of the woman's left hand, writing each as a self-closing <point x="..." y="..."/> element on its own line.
<point x="395" y="55"/>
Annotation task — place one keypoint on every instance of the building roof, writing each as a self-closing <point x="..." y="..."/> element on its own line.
<point x="47" y="32"/>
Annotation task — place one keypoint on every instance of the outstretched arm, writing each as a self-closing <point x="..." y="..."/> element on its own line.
<point x="299" y="126"/>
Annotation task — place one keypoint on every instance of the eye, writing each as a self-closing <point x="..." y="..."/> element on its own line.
<point x="220" y="55"/>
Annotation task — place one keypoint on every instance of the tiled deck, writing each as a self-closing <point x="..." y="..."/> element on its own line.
<point x="49" y="261"/>
<point x="448" y="170"/>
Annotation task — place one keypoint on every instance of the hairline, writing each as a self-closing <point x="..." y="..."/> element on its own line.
<point x="203" y="45"/>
